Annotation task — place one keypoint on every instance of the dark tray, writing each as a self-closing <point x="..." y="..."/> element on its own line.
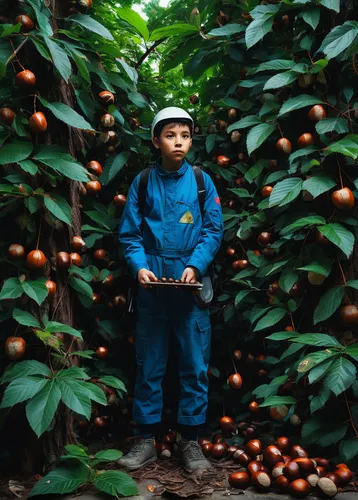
<point x="167" y="284"/>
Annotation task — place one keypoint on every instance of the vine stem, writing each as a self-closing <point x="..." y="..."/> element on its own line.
<point x="39" y="234"/>
<point x="35" y="96"/>
<point x="292" y="322"/>
<point x="340" y="267"/>
<point x="340" y="172"/>
<point x="350" y="415"/>
<point x="233" y="362"/>
<point x="280" y="130"/>
<point x="14" y="54"/>
<point x="148" y="51"/>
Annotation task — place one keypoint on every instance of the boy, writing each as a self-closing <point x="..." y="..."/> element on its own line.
<point x="169" y="238"/>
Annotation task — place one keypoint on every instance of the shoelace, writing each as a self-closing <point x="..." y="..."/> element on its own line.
<point x="194" y="450"/>
<point x="136" y="448"/>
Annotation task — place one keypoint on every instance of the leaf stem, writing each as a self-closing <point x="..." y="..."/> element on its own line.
<point x="350" y="414"/>
<point x="39" y="234"/>
<point x="343" y="276"/>
<point x="14" y="54"/>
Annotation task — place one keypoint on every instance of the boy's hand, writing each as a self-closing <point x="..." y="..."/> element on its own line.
<point x="145" y="277"/>
<point x="189" y="275"/>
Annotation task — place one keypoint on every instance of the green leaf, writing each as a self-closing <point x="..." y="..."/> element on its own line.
<point x="339" y="39"/>
<point x="227" y="30"/>
<point x="275" y="65"/>
<point x="339" y="125"/>
<point x="247" y="121"/>
<point x="256" y="30"/>
<point x="113" y="166"/>
<point x="347" y="146"/>
<point x="285" y="191"/>
<point x="298" y="102"/>
<point x="74" y="372"/>
<point x="314" y="359"/>
<point x="352" y="351"/>
<point x="81" y="62"/>
<point x="323" y="267"/>
<point x="74" y="398"/>
<point x="24" y="369"/>
<point x="108" y="455"/>
<point x="84" y="291"/>
<point x="69" y="169"/>
<point x="42" y="407"/>
<point x="15" y="152"/>
<point x="91" y="25"/>
<point x="135" y="20"/>
<point x="319" y="371"/>
<point x="318" y="184"/>
<point x="258" y="135"/>
<point x="339" y="236"/>
<point x="348" y="448"/>
<point x="62" y="480"/>
<point x="172" y="30"/>
<point x="302" y="152"/>
<point x="87" y="273"/>
<point x="328" y="304"/>
<point x="66" y="114"/>
<point x="93" y="391"/>
<point x="352" y="284"/>
<point x="83" y="354"/>
<point x="28" y="166"/>
<point x="59" y="57"/>
<point x="311" y="17"/>
<point x="59" y="207"/>
<point x="278" y="400"/>
<point x="283" y="336"/>
<point x="55" y="327"/>
<point x="115" y="482"/>
<point x="280" y="80"/>
<point x="317" y="339"/>
<point x="36" y="290"/>
<point x="22" y="389"/>
<point x="270" y="319"/>
<point x="12" y="289"/>
<point x="113" y="382"/>
<point x="331" y="4"/>
<point x="25" y="318"/>
<point x="310" y="220"/>
<point x="75" y="450"/>
<point x="341" y="375"/>
<point x="320" y="400"/>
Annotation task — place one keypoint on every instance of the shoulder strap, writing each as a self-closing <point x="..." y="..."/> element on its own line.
<point x="142" y="188"/>
<point x="201" y="187"/>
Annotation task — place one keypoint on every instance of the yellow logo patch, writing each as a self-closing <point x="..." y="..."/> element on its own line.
<point x="187" y="218"/>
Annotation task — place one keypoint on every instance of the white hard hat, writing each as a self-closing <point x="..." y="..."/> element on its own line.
<point x="172" y="113"/>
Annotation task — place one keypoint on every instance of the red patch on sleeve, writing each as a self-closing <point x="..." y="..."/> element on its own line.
<point x="217" y="200"/>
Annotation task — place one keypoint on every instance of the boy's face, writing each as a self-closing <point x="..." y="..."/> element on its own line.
<point x="174" y="141"/>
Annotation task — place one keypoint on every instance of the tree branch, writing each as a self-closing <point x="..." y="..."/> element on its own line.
<point x="146" y="54"/>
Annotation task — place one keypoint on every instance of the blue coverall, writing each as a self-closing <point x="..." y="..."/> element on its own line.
<point x="172" y="237"/>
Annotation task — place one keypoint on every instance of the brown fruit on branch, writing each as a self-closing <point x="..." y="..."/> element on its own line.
<point x="94" y="167"/>
<point x="239" y="480"/>
<point x="25" y="79"/>
<point x="100" y="254"/>
<point x="119" y="200"/>
<point x="230" y="252"/>
<point x="235" y="136"/>
<point x="134" y="124"/>
<point x="85" y="4"/>
<point x="264" y="239"/>
<point x="96" y="299"/>
<point x="299" y="488"/>
<point x="16" y="251"/>
<point x="266" y="191"/>
<point x="283" y="145"/>
<point x="75" y="259"/>
<point x="343" y="199"/>
<point x="120" y="301"/>
<point x="238" y="265"/>
<point x="102" y="352"/>
<point x="93" y="187"/>
<point x="100" y="422"/>
<point x="305" y="140"/>
<point x="261" y="481"/>
<point x="15" y="347"/>
<point x="7" y="116"/>
<point x="349" y="314"/>
<point x="106" y="97"/>
<point x="27" y="23"/>
<point x="254" y="407"/>
<point x="278" y="412"/>
<point x="107" y="120"/>
<point x="51" y="287"/>
<point x="78" y="243"/>
<point x="194" y="99"/>
<point x="272" y="455"/>
<point x="326" y="487"/>
<point x="254" y="447"/>
<point x="235" y="381"/>
<point x="63" y="260"/>
<point x="221" y="125"/>
<point x="108" y="281"/>
<point x="232" y="114"/>
<point x="237" y="354"/>
<point x="223" y="161"/>
<point x="317" y="113"/>
<point x="38" y="122"/>
<point x="36" y="259"/>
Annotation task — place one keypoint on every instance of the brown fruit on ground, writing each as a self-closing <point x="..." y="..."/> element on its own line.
<point x="326" y="487"/>
<point x="299" y="488"/>
<point x="254" y="447"/>
<point x="261" y="481"/>
<point x="239" y="480"/>
<point x="272" y="455"/>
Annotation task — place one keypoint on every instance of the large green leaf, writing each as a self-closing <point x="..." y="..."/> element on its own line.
<point x="135" y="20"/>
<point x="280" y="80"/>
<point x="340" y="236"/>
<point x="270" y="319"/>
<point x="274" y="65"/>
<point x="55" y="327"/>
<point x="84" y="291"/>
<point x="12" y="289"/>
<point x="317" y="402"/>
<point x="278" y="400"/>
<point x="311" y="17"/>
<point x="319" y="371"/>
<point x="36" y="290"/>
<point x="172" y="30"/>
<point x="256" y="30"/>
<point x="314" y="359"/>
<point x="115" y="482"/>
<point x="341" y="375"/>
<point x="247" y="121"/>
<point x="74" y="372"/>
<point x="113" y="382"/>
<point x="74" y="398"/>
<point x="258" y="135"/>
<point x="108" y="455"/>
<point x="310" y="220"/>
<point x="318" y="184"/>
<point x="339" y="39"/>
<point x="15" y="152"/>
<point x="22" y="389"/>
<point x="322" y="267"/>
<point x="298" y="102"/>
<point x="328" y="304"/>
<point x="93" y="392"/>
<point x="62" y="480"/>
<point x="25" y="318"/>
<point x="352" y="350"/>
<point x="113" y="166"/>
<point x="91" y="25"/>
<point x="66" y="115"/>
<point x="331" y="4"/>
<point x="339" y="125"/>
<point x="285" y="191"/>
<point x="42" y="407"/>
<point x="58" y="206"/>
<point x="59" y="57"/>
<point x="69" y="169"/>
<point x="227" y="30"/>
<point x="317" y="339"/>
<point x="348" y="146"/>
<point x="348" y="448"/>
<point x="24" y="369"/>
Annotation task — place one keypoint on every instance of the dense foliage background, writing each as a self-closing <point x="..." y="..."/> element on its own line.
<point x="272" y="88"/>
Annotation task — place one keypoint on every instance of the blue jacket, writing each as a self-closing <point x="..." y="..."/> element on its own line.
<point x="171" y="227"/>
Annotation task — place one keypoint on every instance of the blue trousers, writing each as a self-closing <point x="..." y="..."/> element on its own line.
<point x="163" y="313"/>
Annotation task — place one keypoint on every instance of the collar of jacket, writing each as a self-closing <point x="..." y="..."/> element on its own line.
<point x="163" y="172"/>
